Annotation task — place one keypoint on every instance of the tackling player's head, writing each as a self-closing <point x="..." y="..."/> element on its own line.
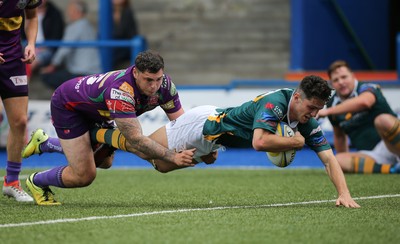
<point x="149" y="61"/>
<point x="148" y="72"/>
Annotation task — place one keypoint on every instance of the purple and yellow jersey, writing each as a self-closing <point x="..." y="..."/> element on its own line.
<point x="234" y="126"/>
<point x="11" y="16"/>
<point x="111" y="95"/>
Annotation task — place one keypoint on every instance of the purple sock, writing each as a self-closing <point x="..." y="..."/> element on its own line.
<point x="51" y="177"/>
<point x="51" y="145"/>
<point x="12" y="170"/>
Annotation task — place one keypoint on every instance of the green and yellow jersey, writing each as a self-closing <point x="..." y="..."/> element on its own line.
<point x="233" y="127"/>
<point x="359" y="126"/>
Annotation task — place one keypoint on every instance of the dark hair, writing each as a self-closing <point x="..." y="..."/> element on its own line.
<point x="149" y="61"/>
<point x="337" y="64"/>
<point x="313" y="86"/>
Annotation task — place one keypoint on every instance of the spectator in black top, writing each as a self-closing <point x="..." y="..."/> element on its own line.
<point x="51" y="27"/>
<point x="124" y="28"/>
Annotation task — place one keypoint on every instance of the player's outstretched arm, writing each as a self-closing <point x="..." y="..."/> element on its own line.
<point x="148" y="148"/>
<point x="336" y="175"/>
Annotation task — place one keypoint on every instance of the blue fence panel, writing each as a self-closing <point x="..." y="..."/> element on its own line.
<point x="398" y="55"/>
<point x="105" y="33"/>
<point x="326" y="30"/>
<point x="137" y="44"/>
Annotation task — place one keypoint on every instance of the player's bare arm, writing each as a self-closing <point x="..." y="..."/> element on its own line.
<point x="362" y="102"/>
<point x="336" y="175"/>
<point x="148" y="148"/>
<point x="266" y="141"/>
<point x="210" y="158"/>
<point x="31" y="27"/>
<point x="175" y="115"/>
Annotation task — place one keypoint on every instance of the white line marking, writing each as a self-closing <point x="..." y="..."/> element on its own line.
<point x="56" y="221"/>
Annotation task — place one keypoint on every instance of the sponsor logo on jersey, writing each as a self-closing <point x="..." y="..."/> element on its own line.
<point x="20" y="80"/>
<point x="119" y="106"/>
<point x="267" y="119"/>
<point x="275" y="109"/>
<point x="121" y="95"/>
<point x="169" y="105"/>
<point x="78" y="84"/>
<point x="173" y="90"/>
<point x="126" y="87"/>
<point x="153" y="100"/>
<point x="316" y="130"/>
<point x="369" y="87"/>
<point x="319" y="141"/>
<point x="269" y="105"/>
<point x="164" y="83"/>
<point x="278" y="112"/>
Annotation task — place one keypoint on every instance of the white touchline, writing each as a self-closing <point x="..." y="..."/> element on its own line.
<point x="55" y="221"/>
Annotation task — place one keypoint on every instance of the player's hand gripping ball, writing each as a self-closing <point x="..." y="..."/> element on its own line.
<point x="282" y="159"/>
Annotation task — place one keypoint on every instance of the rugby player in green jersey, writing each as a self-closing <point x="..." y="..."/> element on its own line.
<point x="252" y="124"/>
<point x="360" y="112"/>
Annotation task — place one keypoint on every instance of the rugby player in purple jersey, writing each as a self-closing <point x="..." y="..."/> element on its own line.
<point x="81" y="103"/>
<point x="14" y="83"/>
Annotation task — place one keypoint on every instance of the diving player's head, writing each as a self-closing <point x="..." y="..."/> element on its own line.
<point x="309" y="97"/>
<point x="148" y="72"/>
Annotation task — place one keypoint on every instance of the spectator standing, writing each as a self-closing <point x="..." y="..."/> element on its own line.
<point x="70" y="62"/>
<point x="124" y="28"/>
<point x="50" y="27"/>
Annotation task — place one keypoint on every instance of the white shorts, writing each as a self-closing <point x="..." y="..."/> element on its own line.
<point x="186" y="132"/>
<point x="382" y="155"/>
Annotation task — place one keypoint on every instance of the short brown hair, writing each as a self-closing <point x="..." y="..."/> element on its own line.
<point x="337" y="64"/>
<point x="150" y="61"/>
<point x="313" y="86"/>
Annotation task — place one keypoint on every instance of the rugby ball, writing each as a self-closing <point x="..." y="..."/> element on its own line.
<point x="282" y="159"/>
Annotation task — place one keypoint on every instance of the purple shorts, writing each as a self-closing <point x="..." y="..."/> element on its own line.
<point x="69" y="124"/>
<point x="13" y="79"/>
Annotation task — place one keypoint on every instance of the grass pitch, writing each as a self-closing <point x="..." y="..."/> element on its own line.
<point x="210" y="206"/>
